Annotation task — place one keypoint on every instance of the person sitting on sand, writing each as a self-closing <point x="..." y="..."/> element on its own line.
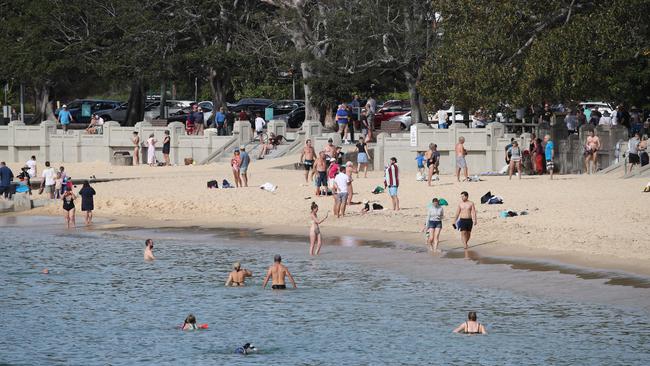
<point x="315" y="240"/>
<point x="148" y="250"/>
<point x="471" y="326"/>
<point x="278" y="271"/>
<point x="238" y="275"/>
<point x="190" y="323"/>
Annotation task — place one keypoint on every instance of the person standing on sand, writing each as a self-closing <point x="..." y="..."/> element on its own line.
<point x="592" y="146"/>
<point x="433" y="224"/>
<point x="245" y="162"/>
<point x="315" y="239"/>
<point x="461" y="163"/>
<point x="148" y="250"/>
<point x="391" y="181"/>
<point x="31" y="164"/>
<point x="349" y="170"/>
<point x="340" y="190"/>
<point x="87" y="203"/>
<point x="471" y="326"/>
<point x="48" y="180"/>
<point x="320" y="167"/>
<point x="235" y="163"/>
<point x="549" y="154"/>
<point x="278" y="272"/>
<point x="69" y="208"/>
<point x="432" y="158"/>
<point x="330" y="149"/>
<point x="6" y="177"/>
<point x="307" y="158"/>
<point x="136" y="148"/>
<point x="238" y="275"/>
<point x="151" y="150"/>
<point x="515" y="159"/>
<point x="362" y="157"/>
<point x="166" y="148"/>
<point x="465" y="217"/>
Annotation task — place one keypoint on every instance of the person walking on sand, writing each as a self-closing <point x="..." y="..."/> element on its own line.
<point x="432" y="158"/>
<point x="69" y="208"/>
<point x="433" y="225"/>
<point x="465" y="218"/>
<point x="340" y="190"/>
<point x="87" y="203"/>
<point x="148" y="250"/>
<point x="549" y="154"/>
<point x="592" y="146"/>
<point x="235" y="163"/>
<point x="31" y="164"/>
<point x="48" y="181"/>
<point x="307" y="158"/>
<point x="471" y="326"/>
<point x="238" y="276"/>
<point x="136" y="148"/>
<point x="320" y="167"/>
<point x="278" y="272"/>
<point x="391" y="181"/>
<point x="151" y="150"/>
<point x="515" y="159"/>
<point x="245" y="162"/>
<point x="461" y="163"/>
<point x="363" y="157"/>
<point x="166" y="148"/>
<point x="315" y="239"/>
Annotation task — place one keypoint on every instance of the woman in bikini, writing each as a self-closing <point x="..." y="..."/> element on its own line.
<point x="471" y="326"/>
<point x="432" y="158"/>
<point x="69" y="208"/>
<point x="238" y="275"/>
<point x="235" y="163"/>
<point x="315" y="240"/>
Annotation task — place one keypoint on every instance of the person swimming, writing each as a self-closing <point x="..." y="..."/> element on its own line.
<point x="245" y="349"/>
<point x="278" y="272"/>
<point x="190" y="323"/>
<point x="148" y="250"/>
<point x="238" y="275"/>
<point x="471" y="326"/>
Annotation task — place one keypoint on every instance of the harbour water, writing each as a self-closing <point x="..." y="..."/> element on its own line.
<point x="101" y="304"/>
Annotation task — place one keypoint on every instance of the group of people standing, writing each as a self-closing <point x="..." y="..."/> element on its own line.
<point x="150" y="144"/>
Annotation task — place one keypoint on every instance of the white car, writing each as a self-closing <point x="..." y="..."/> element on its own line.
<point x="600" y="106"/>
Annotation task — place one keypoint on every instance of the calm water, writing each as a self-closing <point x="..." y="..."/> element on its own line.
<point x="102" y="305"/>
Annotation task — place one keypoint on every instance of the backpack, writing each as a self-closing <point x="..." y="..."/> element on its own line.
<point x="486" y="197"/>
<point x="377" y="206"/>
<point x="225" y="184"/>
<point x="213" y="184"/>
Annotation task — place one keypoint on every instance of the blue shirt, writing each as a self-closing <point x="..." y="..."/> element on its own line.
<point x="64" y="116"/>
<point x="420" y="160"/>
<point x="220" y="117"/>
<point x="245" y="159"/>
<point x="6" y="176"/>
<point x="342" y="116"/>
<point x="548" y="150"/>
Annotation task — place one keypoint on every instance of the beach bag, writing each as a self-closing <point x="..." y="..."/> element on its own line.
<point x="486" y="197"/>
<point x="213" y="184"/>
<point x="377" y="206"/>
<point x="378" y="190"/>
<point x="225" y="184"/>
<point x="495" y="200"/>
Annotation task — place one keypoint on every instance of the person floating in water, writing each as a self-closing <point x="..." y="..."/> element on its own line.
<point x="315" y="239"/>
<point x="190" y="323"/>
<point x="148" y="250"/>
<point x="245" y="349"/>
<point x="471" y="326"/>
<point x="238" y="275"/>
<point x="279" y="272"/>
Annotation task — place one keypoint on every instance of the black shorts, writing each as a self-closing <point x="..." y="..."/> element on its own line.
<point x="5" y="191"/>
<point x="465" y="224"/>
<point x="308" y="164"/>
<point x="321" y="180"/>
<point x="279" y="287"/>
<point x="634" y="158"/>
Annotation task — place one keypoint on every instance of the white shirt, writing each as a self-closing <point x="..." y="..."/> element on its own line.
<point x="442" y="116"/>
<point x="371" y="104"/>
<point x="32" y="167"/>
<point x="49" y="175"/>
<point x="100" y="121"/>
<point x="342" y="181"/>
<point x="259" y="123"/>
<point x="605" y="121"/>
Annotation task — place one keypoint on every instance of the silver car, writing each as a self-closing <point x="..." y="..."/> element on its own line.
<point x="403" y="119"/>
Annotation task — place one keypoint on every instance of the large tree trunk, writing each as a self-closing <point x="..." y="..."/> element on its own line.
<point x="163" y="100"/>
<point x="218" y="85"/>
<point x="43" y="110"/>
<point x="418" y="115"/>
<point x="135" y="111"/>
<point x="311" y="113"/>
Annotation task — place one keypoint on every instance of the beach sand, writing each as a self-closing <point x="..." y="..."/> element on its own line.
<point x="596" y="221"/>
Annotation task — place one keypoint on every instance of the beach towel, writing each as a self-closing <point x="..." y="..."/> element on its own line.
<point x="213" y="184"/>
<point x="495" y="200"/>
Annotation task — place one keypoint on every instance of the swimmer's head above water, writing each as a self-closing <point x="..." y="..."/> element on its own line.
<point x="277" y="258"/>
<point x="245" y="349"/>
<point x="148" y="243"/>
<point x="236" y="266"/>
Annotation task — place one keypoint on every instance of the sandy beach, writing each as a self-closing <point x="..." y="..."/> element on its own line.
<point x="596" y="221"/>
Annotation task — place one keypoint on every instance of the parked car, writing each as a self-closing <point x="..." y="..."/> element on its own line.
<point x="253" y="105"/>
<point x="404" y="120"/>
<point x="390" y="109"/>
<point x="151" y="111"/>
<point x="295" y="118"/>
<point x="600" y="106"/>
<point x="90" y="106"/>
<point x="282" y="107"/>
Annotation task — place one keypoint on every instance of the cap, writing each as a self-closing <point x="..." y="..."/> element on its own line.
<point x="242" y="147"/>
<point x="236" y="265"/>
<point x="64" y="106"/>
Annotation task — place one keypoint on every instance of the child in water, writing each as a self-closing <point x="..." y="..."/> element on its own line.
<point x="190" y="323"/>
<point x="315" y="239"/>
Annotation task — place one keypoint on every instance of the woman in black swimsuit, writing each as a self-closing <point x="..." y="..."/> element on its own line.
<point x="432" y="159"/>
<point x="238" y="275"/>
<point x="166" y="147"/>
<point x="471" y="326"/>
<point x="68" y="207"/>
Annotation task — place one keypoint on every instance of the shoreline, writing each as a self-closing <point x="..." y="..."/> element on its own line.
<point x="482" y="250"/>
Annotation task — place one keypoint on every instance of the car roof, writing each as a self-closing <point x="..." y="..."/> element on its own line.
<point x="96" y="100"/>
<point x="255" y="101"/>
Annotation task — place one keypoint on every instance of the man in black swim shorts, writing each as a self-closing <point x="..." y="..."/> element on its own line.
<point x="307" y="159"/>
<point x="278" y="272"/>
<point x="465" y="218"/>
